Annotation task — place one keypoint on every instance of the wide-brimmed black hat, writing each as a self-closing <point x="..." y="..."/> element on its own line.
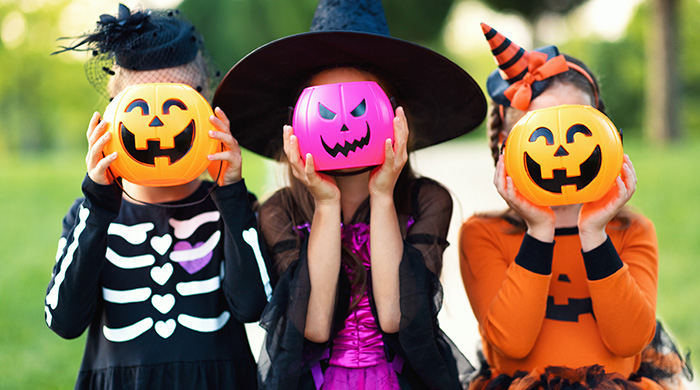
<point x="440" y="99"/>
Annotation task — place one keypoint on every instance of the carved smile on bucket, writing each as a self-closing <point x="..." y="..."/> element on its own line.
<point x="347" y="147"/>
<point x="589" y="171"/>
<point x="183" y="143"/>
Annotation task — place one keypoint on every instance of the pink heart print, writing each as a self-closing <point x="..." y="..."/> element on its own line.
<point x="192" y="266"/>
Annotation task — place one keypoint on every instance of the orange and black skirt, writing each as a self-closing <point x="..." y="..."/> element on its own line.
<point x="663" y="367"/>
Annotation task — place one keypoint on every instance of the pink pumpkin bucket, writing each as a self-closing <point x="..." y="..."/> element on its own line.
<point x="343" y="125"/>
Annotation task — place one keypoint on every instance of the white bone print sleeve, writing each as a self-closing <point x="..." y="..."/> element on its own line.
<point x="250" y="237"/>
<point x="246" y="283"/>
<point x="72" y="293"/>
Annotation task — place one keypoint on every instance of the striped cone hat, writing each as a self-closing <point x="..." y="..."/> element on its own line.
<point x="521" y="75"/>
<point x="511" y="58"/>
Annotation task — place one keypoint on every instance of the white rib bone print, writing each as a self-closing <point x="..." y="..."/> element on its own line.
<point x="186" y="228"/>
<point x="179" y="251"/>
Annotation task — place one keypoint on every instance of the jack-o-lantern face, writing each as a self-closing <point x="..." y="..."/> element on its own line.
<point x="563" y="155"/>
<point x="160" y="132"/>
<point x="343" y="125"/>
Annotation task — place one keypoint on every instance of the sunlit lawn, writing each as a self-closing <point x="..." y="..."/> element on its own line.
<point x="669" y="193"/>
<point x="36" y="193"/>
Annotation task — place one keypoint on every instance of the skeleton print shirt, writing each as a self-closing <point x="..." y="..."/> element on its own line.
<point x="164" y="291"/>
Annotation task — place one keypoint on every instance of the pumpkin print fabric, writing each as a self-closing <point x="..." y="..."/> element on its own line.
<point x="163" y="291"/>
<point x="549" y="313"/>
<point x="540" y="304"/>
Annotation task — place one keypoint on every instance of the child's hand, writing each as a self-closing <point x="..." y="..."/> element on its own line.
<point x="231" y="156"/>
<point x="322" y="187"/>
<point x="539" y="219"/>
<point x="595" y="216"/>
<point x="383" y="178"/>
<point x="97" y="164"/>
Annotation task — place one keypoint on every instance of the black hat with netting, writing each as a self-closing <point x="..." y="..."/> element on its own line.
<point x="135" y="45"/>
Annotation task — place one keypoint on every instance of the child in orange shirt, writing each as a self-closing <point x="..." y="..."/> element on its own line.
<point x="564" y="295"/>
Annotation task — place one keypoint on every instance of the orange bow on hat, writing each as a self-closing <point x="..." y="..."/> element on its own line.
<point x="522" y="75"/>
<point x="539" y="68"/>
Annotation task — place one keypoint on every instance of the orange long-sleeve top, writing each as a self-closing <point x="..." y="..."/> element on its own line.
<point x="558" y="306"/>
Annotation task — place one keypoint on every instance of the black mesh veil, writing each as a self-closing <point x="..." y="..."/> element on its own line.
<point x="134" y="47"/>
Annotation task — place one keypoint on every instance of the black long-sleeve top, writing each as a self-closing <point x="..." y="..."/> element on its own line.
<point x="164" y="291"/>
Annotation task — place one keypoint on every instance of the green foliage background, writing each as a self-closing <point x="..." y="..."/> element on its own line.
<point x="45" y="104"/>
<point x="622" y="67"/>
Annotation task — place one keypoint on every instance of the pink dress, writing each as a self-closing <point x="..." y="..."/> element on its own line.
<point x="358" y="360"/>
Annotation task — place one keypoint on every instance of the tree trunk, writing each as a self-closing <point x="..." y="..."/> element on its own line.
<point x="663" y="97"/>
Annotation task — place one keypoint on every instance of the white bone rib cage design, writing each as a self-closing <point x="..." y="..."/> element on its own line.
<point x="175" y="251"/>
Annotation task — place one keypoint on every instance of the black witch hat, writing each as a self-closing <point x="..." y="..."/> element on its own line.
<point x="440" y="99"/>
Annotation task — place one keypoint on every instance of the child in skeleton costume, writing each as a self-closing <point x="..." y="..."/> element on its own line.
<point x="164" y="287"/>
<point x="564" y="296"/>
<point x="342" y="318"/>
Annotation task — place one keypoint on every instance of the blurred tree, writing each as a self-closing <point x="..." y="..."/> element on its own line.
<point x="417" y="21"/>
<point x="663" y="83"/>
<point x="662" y="77"/>
<point x="232" y="29"/>
<point x="689" y="57"/>
<point x="46" y="102"/>
<point x="619" y="66"/>
<point x="629" y="80"/>
<point x="531" y="11"/>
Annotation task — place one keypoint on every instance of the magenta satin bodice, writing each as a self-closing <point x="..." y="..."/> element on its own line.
<point x="359" y="344"/>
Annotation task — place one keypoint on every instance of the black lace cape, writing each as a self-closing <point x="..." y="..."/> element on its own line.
<point x="431" y="360"/>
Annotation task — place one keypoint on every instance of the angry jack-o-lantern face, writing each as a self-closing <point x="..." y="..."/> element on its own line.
<point x="343" y="125"/>
<point x="160" y="132"/>
<point x="563" y="155"/>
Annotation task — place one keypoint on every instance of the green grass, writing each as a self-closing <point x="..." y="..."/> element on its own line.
<point x="35" y="196"/>
<point x="37" y="191"/>
<point x="668" y="192"/>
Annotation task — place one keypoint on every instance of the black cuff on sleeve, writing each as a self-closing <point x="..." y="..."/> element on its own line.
<point x="107" y="197"/>
<point x="602" y="261"/>
<point x="535" y="255"/>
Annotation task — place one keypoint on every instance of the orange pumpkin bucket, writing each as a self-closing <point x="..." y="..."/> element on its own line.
<point x="160" y="132"/>
<point x="563" y="155"/>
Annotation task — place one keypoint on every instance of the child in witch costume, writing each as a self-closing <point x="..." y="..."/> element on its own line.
<point x="165" y="278"/>
<point x="358" y="252"/>
<point x="565" y="296"/>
